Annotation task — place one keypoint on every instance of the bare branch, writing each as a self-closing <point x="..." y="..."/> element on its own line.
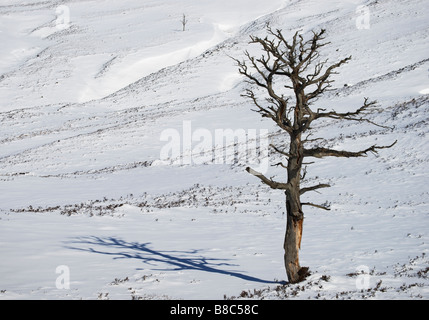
<point x="322" y="82"/>
<point x="304" y="173"/>
<point x="324" y="152"/>
<point x="279" y="164"/>
<point x="280" y="151"/>
<point x="263" y="111"/>
<point x="313" y="188"/>
<point x="273" y="184"/>
<point x="353" y="116"/>
<point x="264" y="80"/>
<point x="306" y="140"/>
<point x="243" y="69"/>
<point x="310" y="48"/>
<point x="315" y="205"/>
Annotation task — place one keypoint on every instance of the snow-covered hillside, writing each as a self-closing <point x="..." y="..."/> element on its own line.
<point x="93" y="92"/>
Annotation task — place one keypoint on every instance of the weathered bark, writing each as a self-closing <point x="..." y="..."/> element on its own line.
<point x="295" y="215"/>
<point x="292" y="245"/>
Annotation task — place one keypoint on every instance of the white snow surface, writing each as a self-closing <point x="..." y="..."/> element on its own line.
<point x="87" y="88"/>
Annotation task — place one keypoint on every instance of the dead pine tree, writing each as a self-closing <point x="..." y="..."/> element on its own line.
<point x="296" y="66"/>
<point x="184" y="22"/>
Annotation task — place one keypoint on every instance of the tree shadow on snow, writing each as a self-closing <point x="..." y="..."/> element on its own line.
<point x="178" y="260"/>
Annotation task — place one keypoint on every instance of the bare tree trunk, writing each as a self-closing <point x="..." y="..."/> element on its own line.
<point x="291" y="246"/>
<point x="295" y="215"/>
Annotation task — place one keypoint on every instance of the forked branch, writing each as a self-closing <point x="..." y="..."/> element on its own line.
<point x="313" y="188"/>
<point x="353" y="116"/>
<point x="273" y="184"/>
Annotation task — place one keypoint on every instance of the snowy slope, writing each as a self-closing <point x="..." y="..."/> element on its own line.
<point x="89" y="88"/>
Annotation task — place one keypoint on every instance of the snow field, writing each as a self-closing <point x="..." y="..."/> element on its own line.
<point x="83" y="108"/>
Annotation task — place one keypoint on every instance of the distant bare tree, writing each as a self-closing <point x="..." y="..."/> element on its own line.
<point x="296" y="65"/>
<point x="184" y="22"/>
